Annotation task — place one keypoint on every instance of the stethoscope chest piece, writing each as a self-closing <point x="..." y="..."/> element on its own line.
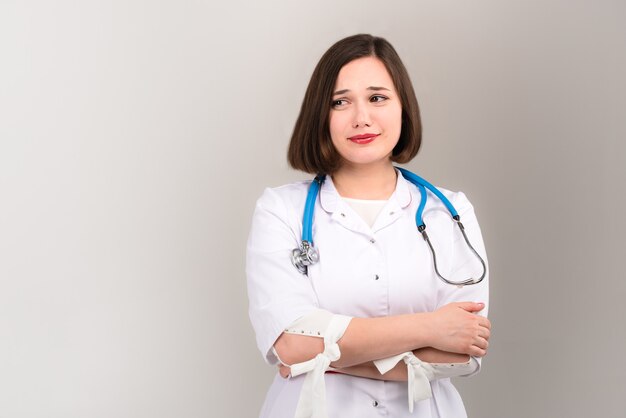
<point x="304" y="256"/>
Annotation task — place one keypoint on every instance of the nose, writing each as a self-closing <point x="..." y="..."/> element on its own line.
<point x="361" y="116"/>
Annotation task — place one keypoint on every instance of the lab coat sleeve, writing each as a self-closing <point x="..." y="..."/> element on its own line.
<point x="465" y="264"/>
<point x="278" y="294"/>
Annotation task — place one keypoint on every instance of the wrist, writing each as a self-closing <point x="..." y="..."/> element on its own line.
<point x="432" y="355"/>
<point x="424" y="332"/>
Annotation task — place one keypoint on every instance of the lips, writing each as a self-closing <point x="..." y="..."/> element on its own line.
<point x="363" y="138"/>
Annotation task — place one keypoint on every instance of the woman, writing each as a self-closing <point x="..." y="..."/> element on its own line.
<point x="367" y="323"/>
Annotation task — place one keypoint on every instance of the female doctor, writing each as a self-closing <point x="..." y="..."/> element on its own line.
<point x="369" y="328"/>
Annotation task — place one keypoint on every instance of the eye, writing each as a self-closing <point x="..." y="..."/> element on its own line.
<point x="378" y="98"/>
<point x="338" y="103"/>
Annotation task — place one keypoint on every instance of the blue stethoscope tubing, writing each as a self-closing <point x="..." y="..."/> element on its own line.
<point x="307" y="255"/>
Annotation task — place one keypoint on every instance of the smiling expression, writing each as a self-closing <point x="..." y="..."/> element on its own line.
<point x="366" y="113"/>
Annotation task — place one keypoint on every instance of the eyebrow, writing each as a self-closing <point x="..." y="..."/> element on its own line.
<point x="374" y="88"/>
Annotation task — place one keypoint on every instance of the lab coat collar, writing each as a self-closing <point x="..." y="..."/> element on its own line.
<point x="330" y="198"/>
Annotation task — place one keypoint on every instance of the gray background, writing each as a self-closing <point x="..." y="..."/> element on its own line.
<point x="135" y="137"/>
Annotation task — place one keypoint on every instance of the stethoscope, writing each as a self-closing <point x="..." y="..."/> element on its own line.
<point x="307" y="255"/>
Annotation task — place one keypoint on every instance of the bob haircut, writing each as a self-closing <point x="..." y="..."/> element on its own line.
<point x="311" y="149"/>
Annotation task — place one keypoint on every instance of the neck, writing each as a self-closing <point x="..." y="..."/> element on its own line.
<point x="371" y="182"/>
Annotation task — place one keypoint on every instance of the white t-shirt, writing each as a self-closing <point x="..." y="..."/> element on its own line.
<point x="364" y="270"/>
<point x="368" y="210"/>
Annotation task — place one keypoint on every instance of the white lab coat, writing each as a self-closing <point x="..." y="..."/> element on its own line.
<point x="363" y="272"/>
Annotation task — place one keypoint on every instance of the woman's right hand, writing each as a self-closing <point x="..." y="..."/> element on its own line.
<point x="457" y="328"/>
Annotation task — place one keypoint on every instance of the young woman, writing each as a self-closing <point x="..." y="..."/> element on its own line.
<point x="364" y="324"/>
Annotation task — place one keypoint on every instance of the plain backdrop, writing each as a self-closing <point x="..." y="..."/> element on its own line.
<point x="136" y="136"/>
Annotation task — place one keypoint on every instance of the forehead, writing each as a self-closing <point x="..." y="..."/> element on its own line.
<point x="362" y="73"/>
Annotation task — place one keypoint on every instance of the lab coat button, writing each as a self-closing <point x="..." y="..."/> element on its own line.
<point x="375" y="403"/>
<point x="372" y="240"/>
<point x="376" y="277"/>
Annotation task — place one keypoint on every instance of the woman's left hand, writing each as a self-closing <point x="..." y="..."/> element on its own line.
<point x="284" y="370"/>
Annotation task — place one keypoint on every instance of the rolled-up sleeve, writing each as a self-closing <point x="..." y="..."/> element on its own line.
<point x="278" y="294"/>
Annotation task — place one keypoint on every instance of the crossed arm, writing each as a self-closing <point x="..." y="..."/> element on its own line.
<point x="450" y="334"/>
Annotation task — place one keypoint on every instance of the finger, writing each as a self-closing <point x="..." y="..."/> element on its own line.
<point x="284" y="371"/>
<point x="485" y="333"/>
<point x="481" y="343"/>
<point x="471" y="306"/>
<point x="484" y="322"/>
<point x="476" y="351"/>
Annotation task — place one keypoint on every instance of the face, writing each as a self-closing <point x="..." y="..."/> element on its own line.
<point x="366" y="113"/>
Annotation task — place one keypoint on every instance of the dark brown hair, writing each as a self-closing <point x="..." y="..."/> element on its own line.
<point x="311" y="148"/>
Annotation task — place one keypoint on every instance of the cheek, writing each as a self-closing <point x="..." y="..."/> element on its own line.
<point x="336" y="126"/>
<point x="393" y="120"/>
<point x="335" y="120"/>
